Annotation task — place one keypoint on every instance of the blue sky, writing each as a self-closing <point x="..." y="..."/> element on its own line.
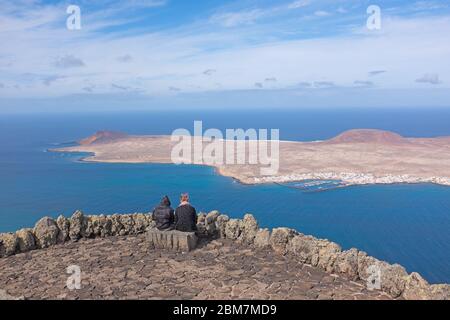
<point x="150" y="54"/>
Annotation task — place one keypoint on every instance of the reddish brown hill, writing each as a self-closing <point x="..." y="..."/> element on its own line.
<point x="369" y="136"/>
<point x="102" y="137"/>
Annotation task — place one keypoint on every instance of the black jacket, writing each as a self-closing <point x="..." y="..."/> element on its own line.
<point x="186" y="218"/>
<point x="163" y="216"/>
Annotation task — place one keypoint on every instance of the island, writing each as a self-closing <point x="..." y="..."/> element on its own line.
<point x="355" y="157"/>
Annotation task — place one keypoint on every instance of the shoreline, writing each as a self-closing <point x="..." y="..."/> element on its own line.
<point x="358" y="179"/>
<point x="348" y="179"/>
<point x="355" y="157"/>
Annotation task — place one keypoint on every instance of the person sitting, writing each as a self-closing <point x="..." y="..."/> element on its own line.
<point x="163" y="215"/>
<point x="185" y="215"/>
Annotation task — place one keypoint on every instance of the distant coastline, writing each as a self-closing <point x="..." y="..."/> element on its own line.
<point x="348" y="179"/>
<point x="356" y="157"/>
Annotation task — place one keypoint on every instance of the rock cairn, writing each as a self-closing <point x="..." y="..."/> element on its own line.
<point x="353" y="264"/>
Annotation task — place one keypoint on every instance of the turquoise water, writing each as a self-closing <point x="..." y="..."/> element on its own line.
<point x="407" y="224"/>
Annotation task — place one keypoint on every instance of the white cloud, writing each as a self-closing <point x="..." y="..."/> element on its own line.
<point x="376" y="72"/>
<point x="125" y="58"/>
<point x="68" y="61"/>
<point x="431" y="78"/>
<point x="363" y="83"/>
<point x="304" y="84"/>
<point x="233" y="19"/>
<point x="51" y="79"/>
<point x="429" y="5"/>
<point x="144" y="3"/>
<point x="321" y="13"/>
<point x="116" y="86"/>
<point x="299" y="4"/>
<point x="174" y="89"/>
<point x="164" y="62"/>
<point x="324" y="84"/>
<point x="89" y="89"/>
<point x="209" y="72"/>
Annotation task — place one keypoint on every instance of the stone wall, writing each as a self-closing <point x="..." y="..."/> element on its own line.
<point x="48" y="232"/>
<point x="328" y="256"/>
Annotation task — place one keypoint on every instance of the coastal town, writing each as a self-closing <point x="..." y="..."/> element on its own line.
<point x="348" y="178"/>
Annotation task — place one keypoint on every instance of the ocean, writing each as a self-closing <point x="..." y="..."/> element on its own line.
<point x="406" y="224"/>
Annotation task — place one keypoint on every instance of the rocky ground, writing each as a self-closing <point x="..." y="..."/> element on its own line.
<point x="125" y="268"/>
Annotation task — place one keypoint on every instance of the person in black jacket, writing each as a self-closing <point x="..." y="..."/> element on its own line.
<point x="163" y="215"/>
<point x="185" y="215"/>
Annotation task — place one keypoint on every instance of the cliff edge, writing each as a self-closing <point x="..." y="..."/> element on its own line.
<point x="235" y="259"/>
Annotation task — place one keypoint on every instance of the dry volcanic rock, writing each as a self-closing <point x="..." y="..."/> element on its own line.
<point x="211" y="217"/>
<point x="5" y="296"/>
<point x="98" y="226"/>
<point x="77" y="225"/>
<point x="127" y="224"/>
<point x="393" y="278"/>
<point x="280" y="239"/>
<point x="347" y="263"/>
<point x="245" y="233"/>
<point x="416" y="287"/>
<point x="201" y="218"/>
<point x="141" y="222"/>
<point x="221" y="224"/>
<point x="122" y="268"/>
<point x="116" y="225"/>
<point x="317" y="252"/>
<point x="102" y="226"/>
<point x="303" y="247"/>
<point x="249" y="229"/>
<point x="438" y="292"/>
<point x="327" y="254"/>
<point x="8" y="244"/>
<point x="26" y="240"/>
<point x="64" y="229"/>
<point x="210" y="223"/>
<point x="233" y="229"/>
<point x="262" y="238"/>
<point x="206" y="224"/>
<point x="46" y="232"/>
